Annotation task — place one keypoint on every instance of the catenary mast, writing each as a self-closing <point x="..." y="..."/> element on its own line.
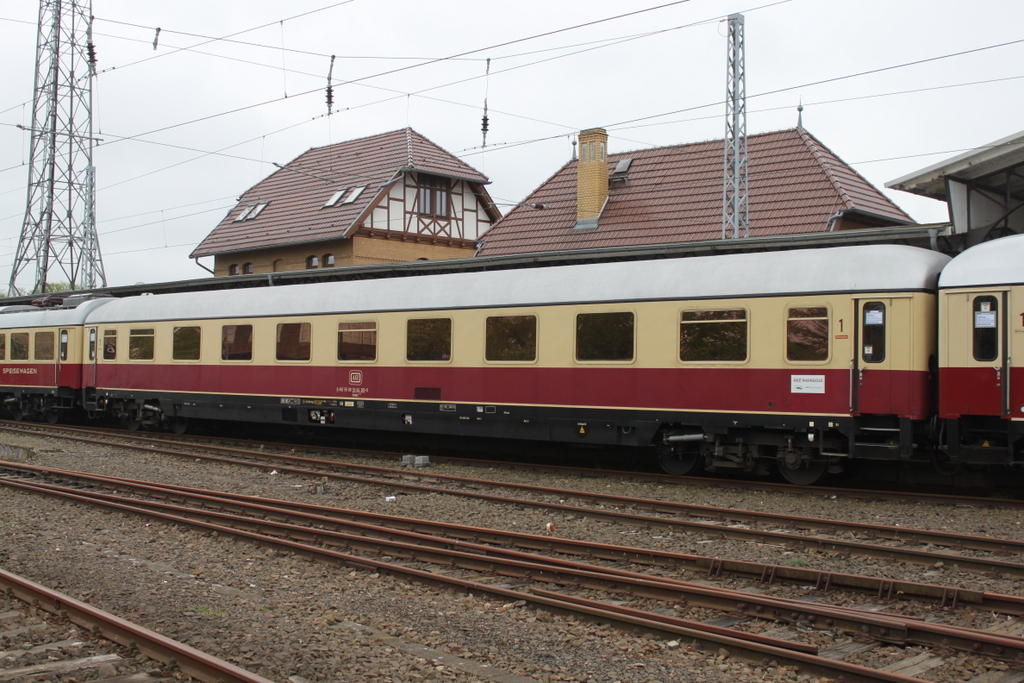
<point x="735" y="203"/>
<point x="58" y="236"/>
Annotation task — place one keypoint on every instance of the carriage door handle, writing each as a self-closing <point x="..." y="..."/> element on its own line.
<point x="999" y="374"/>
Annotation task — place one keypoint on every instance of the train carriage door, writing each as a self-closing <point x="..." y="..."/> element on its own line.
<point x="881" y="345"/>
<point x="985" y="379"/>
<point x="93" y="356"/>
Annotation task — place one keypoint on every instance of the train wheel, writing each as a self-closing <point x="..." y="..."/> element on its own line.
<point x="132" y="425"/>
<point x="678" y="460"/>
<point x="53" y="416"/>
<point x="798" y="467"/>
<point x="179" y="425"/>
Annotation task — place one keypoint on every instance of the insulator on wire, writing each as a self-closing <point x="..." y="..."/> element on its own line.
<point x="330" y="88"/>
<point x="484" y="123"/>
<point x="90" y="48"/>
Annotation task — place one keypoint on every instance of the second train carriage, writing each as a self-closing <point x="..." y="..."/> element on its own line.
<point x="981" y="397"/>
<point x="804" y="358"/>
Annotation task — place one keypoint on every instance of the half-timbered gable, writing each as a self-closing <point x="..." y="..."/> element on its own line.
<point x="387" y="198"/>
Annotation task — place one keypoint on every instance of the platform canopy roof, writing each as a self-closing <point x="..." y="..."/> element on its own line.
<point x="988" y="161"/>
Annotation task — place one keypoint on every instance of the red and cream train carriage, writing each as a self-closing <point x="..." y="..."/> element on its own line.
<point x="981" y="397"/>
<point x="42" y="353"/>
<point x="805" y="358"/>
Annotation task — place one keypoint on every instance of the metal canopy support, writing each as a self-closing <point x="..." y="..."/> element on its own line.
<point x="735" y="205"/>
<point x="58" y="235"/>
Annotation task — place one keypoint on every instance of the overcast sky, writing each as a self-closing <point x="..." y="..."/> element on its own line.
<point x="891" y="86"/>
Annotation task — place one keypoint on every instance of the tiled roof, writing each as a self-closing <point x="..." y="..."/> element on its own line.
<point x="297" y="192"/>
<point x="674" y="194"/>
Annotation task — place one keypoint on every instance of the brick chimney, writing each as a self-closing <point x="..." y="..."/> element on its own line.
<point x="591" y="177"/>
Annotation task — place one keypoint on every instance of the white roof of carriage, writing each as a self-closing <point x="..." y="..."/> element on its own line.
<point x="998" y="262"/>
<point x="31" y="316"/>
<point x="877" y="268"/>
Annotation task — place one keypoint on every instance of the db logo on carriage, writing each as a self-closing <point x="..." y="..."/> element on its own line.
<point x="355" y="377"/>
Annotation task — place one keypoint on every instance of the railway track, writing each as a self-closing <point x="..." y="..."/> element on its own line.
<point x="318" y="533"/>
<point x="46" y="634"/>
<point x="887" y="543"/>
<point x="284" y="454"/>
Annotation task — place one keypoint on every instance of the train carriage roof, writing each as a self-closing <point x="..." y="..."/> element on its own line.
<point x="878" y="268"/>
<point x="998" y="262"/>
<point x="12" y="317"/>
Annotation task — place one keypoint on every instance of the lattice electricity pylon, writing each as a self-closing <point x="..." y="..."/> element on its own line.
<point x="58" y="235"/>
<point x="735" y="204"/>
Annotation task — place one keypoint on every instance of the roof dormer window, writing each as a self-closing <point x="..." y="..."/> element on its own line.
<point x="335" y="197"/>
<point x="354" y="194"/>
<point x="251" y="211"/>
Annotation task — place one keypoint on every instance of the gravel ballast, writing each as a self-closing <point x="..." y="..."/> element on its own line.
<point x="285" y="617"/>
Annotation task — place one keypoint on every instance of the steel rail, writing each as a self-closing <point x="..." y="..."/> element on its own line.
<point x="886" y="628"/>
<point x="191" y="661"/>
<point x="982" y="565"/>
<point x="892" y="533"/>
<point x="851" y="673"/>
<point x="882" y="588"/>
<point x="704" y="482"/>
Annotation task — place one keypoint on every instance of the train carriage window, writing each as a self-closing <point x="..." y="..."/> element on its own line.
<point x="293" y="341"/>
<point x="357" y="341"/>
<point x="713" y="335"/>
<point x="63" y="345"/>
<point x="109" y="344"/>
<point x="236" y="342"/>
<point x="3" y="347"/>
<point x="429" y="339"/>
<point x="986" y="328"/>
<point x="873" y="332"/>
<point x="43" y="346"/>
<point x="19" y="345"/>
<point x="141" y="344"/>
<point x="604" y="336"/>
<point x="185" y="343"/>
<point x="511" y="338"/>
<point x="807" y="334"/>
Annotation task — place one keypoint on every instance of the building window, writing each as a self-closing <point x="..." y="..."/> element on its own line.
<point x="140" y="344"/>
<point x="434" y="195"/>
<point x="312" y="262"/>
<point x="293" y="341"/>
<point x="511" y="338"/>
<point x="109" y="344"/>
<point x="357" y="341"/>
<point x="186" y="343"/>
<point x="233" y="269"/>
<point x="807" y="334"/>
<point x="278" y="265"/>
<point x="429" y="339"/>
<point x="247" y="269"/>
<point x="236" y="342"/>
<point x="328" y="260"/>
<point x="713" y="336"/>
<point x="44" y="346"/>
<point x="251" y="211"/>
<point x="604" y="336"/>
